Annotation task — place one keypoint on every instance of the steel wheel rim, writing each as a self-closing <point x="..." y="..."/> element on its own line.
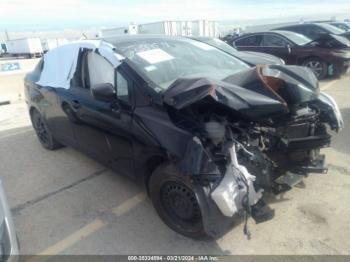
<point x="180" y="204"/>
<point x="40" y="130"/>
<point x="315" y="66"/>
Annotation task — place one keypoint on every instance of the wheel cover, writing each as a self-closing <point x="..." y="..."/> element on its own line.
<point x="181" y="204"/>
<point x="315" y="66"/>
<point x="40" y="130"/>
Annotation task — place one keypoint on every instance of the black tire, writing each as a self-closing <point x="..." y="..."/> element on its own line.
<point x="318" y="66"/>
<point x="43" y="133"/>
<point x="176" y="203"/>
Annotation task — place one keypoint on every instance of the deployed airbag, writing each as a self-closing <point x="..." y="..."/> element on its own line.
<point x="60" y="63"/>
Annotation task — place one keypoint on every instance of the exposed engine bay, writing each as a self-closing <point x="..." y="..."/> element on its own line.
<point x="239" y="154"/>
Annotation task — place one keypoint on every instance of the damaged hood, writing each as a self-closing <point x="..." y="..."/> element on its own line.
<point x="256" y="93"/>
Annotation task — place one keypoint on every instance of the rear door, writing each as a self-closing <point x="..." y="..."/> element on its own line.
<point x="51" y="102"/>
<point x="249" y="43"/>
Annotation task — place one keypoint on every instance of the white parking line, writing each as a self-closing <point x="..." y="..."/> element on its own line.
<point x="90" y="228"/>
<point x="73" y="238"/>
<point x="329" y="85"/>
<point x="129" y="204"/>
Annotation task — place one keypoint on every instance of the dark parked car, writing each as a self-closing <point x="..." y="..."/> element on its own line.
<point x="329" y="56"/>
<point x="315" y="31"/>
<point x="204" y="132"/>
<point x="342" y="25"/>
<point x="251" y="58"/>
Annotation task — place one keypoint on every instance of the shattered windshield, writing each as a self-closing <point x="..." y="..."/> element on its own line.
<point x="163" y="61"/>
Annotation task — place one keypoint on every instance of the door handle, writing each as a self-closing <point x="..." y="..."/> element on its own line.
<point x="76" y="104"/>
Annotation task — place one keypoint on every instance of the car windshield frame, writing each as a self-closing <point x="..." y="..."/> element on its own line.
<point x="132" y="49"/>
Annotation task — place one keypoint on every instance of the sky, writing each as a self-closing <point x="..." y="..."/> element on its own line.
<point x="24" y="15"/>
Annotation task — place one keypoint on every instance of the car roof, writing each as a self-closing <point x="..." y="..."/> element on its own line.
<point x="126" y="38"/>
<point x="201" y="37"/>
<point x="301" y="25"/>
<point x="281" y="32"/>
<point x="285" y="32"/>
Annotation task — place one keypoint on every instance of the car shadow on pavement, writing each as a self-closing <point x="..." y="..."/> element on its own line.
<point x="58" y="191"/>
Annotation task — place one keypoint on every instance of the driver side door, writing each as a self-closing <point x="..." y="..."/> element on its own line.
<point x="104" y="128"/>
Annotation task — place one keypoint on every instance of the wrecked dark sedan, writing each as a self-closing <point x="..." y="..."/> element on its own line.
<point x="205" y="133"/>
<point x="329" y="55"/>
<point x="251" y="58"/>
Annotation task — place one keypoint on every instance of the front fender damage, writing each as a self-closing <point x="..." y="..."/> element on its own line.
<point x="222" y="197"/>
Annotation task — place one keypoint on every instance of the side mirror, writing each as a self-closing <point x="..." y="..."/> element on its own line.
<point x="289" y="48"/>
<point x="103" y="92"/>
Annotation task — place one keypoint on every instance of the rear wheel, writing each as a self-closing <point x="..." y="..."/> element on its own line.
<point x="174" y="199"/>
<point x="43" y="133"/>
<point x="318" y="66"/>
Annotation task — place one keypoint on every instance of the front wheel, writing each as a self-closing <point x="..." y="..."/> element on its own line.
<point x="317" y="66"/>
<point x="174" y="199"/>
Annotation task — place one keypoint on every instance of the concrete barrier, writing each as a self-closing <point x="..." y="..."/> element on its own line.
<point x="11" y="81"/>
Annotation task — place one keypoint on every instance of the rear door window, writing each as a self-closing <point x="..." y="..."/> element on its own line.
<point x="254" y="40"/>
<point x="273" y="41"/>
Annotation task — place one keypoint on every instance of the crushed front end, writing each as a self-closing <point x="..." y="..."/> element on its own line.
<point x="263" y="135"/>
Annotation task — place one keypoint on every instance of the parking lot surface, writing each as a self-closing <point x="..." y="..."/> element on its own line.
<point x="63" y="202"/>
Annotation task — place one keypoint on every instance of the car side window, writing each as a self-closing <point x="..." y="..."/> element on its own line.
<point x="249" y="41"/>
<point x="273" y="41"/>
<point x="122" y="87"/>
<point x="99" y="70"/>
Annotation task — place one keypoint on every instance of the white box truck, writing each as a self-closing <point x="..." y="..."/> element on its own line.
<point x="132" y="29"/>
<point x="205" y="28"/>
<point x="172" y="28"/>
<point x="181" y="28"/>
<point x="51" y="43"/>
<point x="28" y="47"/>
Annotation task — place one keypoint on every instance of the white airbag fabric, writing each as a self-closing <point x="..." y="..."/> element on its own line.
<point x="60" y="63"/>
<point x="229" y="194"/>
<point x="226" y="195"/>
